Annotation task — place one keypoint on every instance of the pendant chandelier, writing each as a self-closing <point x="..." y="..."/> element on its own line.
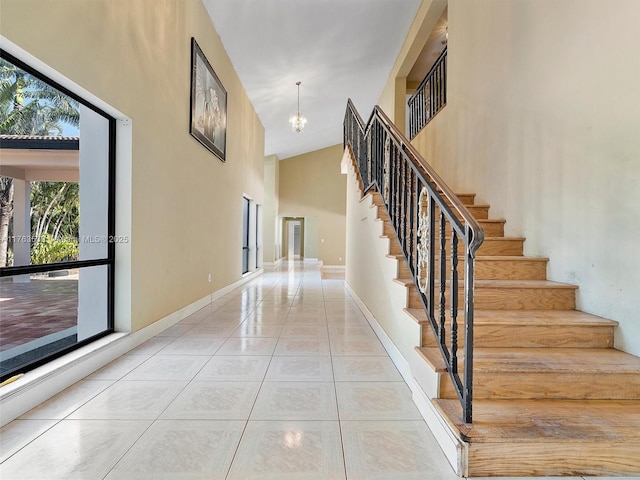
<point x="298" y="121"/>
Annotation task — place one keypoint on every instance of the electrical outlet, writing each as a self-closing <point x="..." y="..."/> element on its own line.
<point x="209" y="278"/>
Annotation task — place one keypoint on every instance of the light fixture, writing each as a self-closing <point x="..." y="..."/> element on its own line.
<point x="298" y="121"/>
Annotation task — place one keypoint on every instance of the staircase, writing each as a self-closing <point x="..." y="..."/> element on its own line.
<point x="551" y="394"/>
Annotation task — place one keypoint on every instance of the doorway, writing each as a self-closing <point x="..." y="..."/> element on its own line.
<point x="293" y="238"/>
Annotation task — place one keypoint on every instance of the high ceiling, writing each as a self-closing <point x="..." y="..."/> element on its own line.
<point x="338" y="49"/>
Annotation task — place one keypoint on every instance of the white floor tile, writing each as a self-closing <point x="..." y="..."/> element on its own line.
<point x="168" y="367"/>
<point x="234" y="368"/>
<point x="296" y="330"/>
<point x="300" y="346"/>
<point x="296" y="401"/>
<point x="15" y="435"/>
<point x="214" y="401"/>
<point x="357" y="346"/>
<point x="74" y="450"/>
<point x="175" y="330"/>
<point x="193" y="345"/>
<point x="67" y="401"/>
<point x="185" y="449"/>
<point x="123" y="365"/>
<point x="300" y="369"/>
<point x="375" y="401"/>
<point x="213" y="329"/>
<point x="365" y="369"/>
<point x="151" y="346"/>
<point x="248" y="346"/>
<point x="130" y="400"/>
<point x="257" y="330"/>
<point x="289" y="451"/>
<point x="393" y="450"/>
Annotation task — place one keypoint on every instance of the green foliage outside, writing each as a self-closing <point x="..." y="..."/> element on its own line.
<point x="29" y="106"/>
<point x="49" y="250"/>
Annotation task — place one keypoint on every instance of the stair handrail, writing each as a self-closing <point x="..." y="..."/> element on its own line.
<point x="411" y="191"/>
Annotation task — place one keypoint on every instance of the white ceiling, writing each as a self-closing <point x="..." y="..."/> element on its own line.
<point x="338" y="49"/>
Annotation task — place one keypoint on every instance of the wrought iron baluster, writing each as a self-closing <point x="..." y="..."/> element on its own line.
<point x="454" y="301"/>
<point x="396" y="186"/>
<point x="431" y="285"/>
<point x="411" y="218"/>
<point x="443" y="279"/>
<point x="403" y="196"/>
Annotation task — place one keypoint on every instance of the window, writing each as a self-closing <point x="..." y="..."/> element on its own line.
<point x="258" y="235"/>
<point x="245" y="234"/>
<point x="57" y="219"/>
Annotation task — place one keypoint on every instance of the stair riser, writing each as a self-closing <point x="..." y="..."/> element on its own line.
<point x="486" y="298"/>
<point x="556" y="458"/>
<point x="493" y="229"/>
<point x="499" y="270"/>
<point x="502" y="247"/>
<point x="467" y="199"/>
<point x="509" y="247"/>
<point x="491" y="269"/>
<point x="543" y="336"/>
<point x="510" y="270"/>
<point x="491" y="246"/>
<point x="569" y="385"/>
<point x="479" y="212"/>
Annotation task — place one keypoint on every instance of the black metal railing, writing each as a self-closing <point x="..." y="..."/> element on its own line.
<point x="433" y="228"/>
<point x="430" y="96"/>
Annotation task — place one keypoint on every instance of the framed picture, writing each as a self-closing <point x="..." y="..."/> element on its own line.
<point x="208" y="104"/>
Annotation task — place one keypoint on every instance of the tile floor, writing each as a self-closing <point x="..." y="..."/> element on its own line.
<point x="281" y="379"/>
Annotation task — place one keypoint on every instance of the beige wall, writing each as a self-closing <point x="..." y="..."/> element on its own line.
<point x="542" y="122"/>
<point x="186" y="205"/>
<point x="312" y="186"/>
<point x="370" y="273"/>
<point x="270" y="250"/>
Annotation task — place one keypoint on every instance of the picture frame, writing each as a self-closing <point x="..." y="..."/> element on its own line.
<point x="208" y="112"/>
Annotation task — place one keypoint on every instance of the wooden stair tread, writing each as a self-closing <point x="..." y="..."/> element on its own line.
<point x="543" y="317"/>
<point x="552" y="360"/>
<point x="522" y="284"/>
<point x="502" y="239"/>
<point x="527" y="317"/>
<point x="432" y="356"/>
<point x="545" y="420"/>
<point x="505" y="283"/>
<point x="593" y="360"/>
<point x="509" y="258"/>
<point x="491" y="220"/>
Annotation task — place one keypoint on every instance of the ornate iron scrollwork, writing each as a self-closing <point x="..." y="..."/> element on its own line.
<point x="423" y="240"/>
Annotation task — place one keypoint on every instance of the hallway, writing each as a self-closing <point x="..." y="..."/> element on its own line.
<point x="283" y="378"/>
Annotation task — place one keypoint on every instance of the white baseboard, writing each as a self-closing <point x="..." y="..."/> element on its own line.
<point x="44" y="382"/>
<point x="453" y="447"/>
<point x="272" y="264"/>
<point x="310" y="260"/>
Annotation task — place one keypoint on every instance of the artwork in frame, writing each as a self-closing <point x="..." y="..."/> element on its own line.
<point x="208" y="104"/>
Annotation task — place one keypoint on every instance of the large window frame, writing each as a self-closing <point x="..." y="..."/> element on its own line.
<point x="109" y="260"/>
